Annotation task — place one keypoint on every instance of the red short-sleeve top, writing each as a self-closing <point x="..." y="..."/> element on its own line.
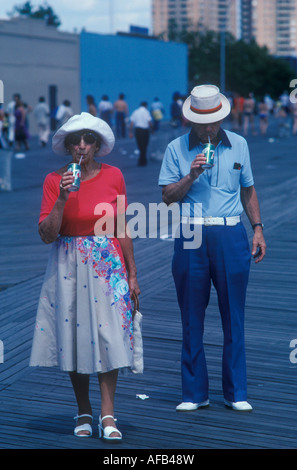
<point x="96" y="198"/>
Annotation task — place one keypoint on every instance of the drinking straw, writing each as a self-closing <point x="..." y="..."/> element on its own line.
<point x="80" y="159"/>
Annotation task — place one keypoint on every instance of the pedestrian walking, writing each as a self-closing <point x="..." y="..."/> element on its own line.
<point x="157" y="111"/>
<point x="20" y="129"/>
<point x="121" y="110"/>
<point x="269" y="103"/>
<point x="249" y="107"/>
<point x="283" y="121"/>
<point x="176" y="111"/>
<point x="2" y="139"/>
<point x="105" y="109"/>
<point x="263" y="116"/>
<point x="141" y="124"/>
<point x="42" y="113"/>
<point x="237" y="111"/>
<point x="84" y="317"/>
<point x="91" y="105"/>
<point x="285" y="101"/>
<point x="5" y="126"/>
<point x="64" y="112"/>
<point x="11" y="118"/>
<point x="224" y="256"/>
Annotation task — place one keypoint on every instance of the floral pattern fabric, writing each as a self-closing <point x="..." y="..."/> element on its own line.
<point x="84" y="318"/>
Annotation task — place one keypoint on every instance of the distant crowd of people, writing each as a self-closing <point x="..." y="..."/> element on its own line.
<point x="117" y="114"/>
<point x="245" y="109"/>
<point x="142" y="122"/>
<point x="14" y="123"/>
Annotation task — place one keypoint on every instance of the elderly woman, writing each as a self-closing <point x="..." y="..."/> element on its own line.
<point x="84" y="318"/>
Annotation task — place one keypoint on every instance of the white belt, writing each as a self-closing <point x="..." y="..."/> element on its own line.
<point x="211" y="220"/>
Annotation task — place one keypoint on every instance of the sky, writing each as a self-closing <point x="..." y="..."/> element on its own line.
<point x="98" y="16"/>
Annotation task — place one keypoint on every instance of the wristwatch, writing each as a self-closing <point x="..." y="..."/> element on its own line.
<point x="258" y="225"/>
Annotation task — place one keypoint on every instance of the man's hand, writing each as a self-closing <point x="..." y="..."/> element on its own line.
<point x="196" y="168"/>
<point x="176" y="191"/>
<point x="259" y="245"/>
<point x="250" y="204"/>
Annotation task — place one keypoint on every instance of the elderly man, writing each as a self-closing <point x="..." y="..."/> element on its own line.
<point x="223" y="257"/>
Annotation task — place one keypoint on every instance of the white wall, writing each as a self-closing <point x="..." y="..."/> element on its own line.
<point x="34" y="56"/>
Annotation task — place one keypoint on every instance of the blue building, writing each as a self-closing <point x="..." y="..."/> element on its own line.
<point x="141" y="68"/>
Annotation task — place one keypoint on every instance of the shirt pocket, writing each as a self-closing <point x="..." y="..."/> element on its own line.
<point x="233" y="180"/>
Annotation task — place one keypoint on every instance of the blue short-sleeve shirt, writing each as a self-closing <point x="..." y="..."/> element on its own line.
<point x="216" y="189"/>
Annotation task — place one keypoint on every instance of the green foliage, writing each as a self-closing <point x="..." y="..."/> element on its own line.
<point x="248" y="67"/>
<point x="44" y="11"/>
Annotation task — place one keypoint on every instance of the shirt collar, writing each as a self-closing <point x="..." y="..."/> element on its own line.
<point x="194" y="140"/>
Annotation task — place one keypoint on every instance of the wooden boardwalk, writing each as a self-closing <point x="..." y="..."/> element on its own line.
<point x="37" y="405"/>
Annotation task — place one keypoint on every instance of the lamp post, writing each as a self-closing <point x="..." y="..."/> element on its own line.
<point x="222" y="60"/>
<point x="226" y="11"/>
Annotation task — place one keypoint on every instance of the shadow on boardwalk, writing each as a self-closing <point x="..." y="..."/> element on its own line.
<point x="37" y="405"/>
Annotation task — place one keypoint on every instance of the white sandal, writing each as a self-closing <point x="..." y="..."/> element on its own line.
<point x="108" y="430"/>
<point x="83" y="427"/>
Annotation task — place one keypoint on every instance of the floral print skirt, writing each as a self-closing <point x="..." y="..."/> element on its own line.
<point x="84" y="318"/>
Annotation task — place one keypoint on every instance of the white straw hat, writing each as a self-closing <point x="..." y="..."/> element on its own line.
<point x="78" y="123"/>
<point x="206" y="105"/>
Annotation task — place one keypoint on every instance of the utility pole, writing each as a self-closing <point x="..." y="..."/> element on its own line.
<point x="226" y="5"/>
<point x="223" y="61"/>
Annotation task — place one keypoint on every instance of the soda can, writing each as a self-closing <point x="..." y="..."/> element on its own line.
<point x="208" y="150"/>
<point x="76" y="171"/>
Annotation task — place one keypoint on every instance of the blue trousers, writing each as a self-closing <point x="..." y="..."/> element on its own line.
<point x="224" y="259"/>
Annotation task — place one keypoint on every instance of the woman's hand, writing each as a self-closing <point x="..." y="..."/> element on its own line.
<point x="65" y="183"/>
<point x="133" y="285"/>
<point x="134" y="292"/>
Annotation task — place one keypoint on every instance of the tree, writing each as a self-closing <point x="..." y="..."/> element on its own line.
<point x="44" y="12"/>
<point x="249" y="67"/>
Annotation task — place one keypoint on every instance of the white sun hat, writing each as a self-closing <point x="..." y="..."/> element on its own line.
<point x="206" y="105"/>
<point x="78" y="123"/>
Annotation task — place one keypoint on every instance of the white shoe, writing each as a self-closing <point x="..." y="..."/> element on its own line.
<point x="239" y="405"/>
<point x="83" y="427"/>
<point x="189" y="406"/>
<point x="108" y="430"/>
